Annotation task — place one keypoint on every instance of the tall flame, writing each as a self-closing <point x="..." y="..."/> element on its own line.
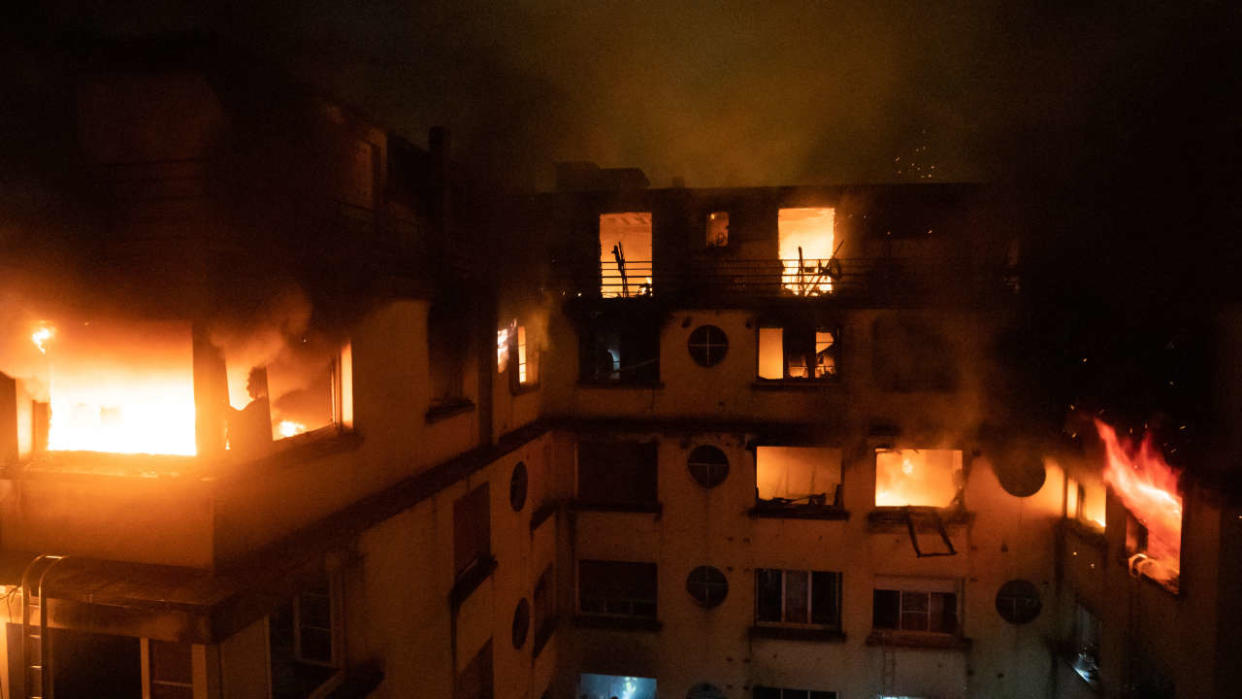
<point x="1148" y="487"/>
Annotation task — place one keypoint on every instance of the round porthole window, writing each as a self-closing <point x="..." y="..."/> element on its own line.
<point x="708" y="465"/>
<point x="707" y="585"/>
<point x="521" y="622"/>
<point x="1021" y="475"/>
<point x="517" y="487"/>
<point x="708" y="345"/>
<point x="1018" y="602"/>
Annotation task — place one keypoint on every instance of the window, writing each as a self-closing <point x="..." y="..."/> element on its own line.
<point x="625" y="254"/>
<point x="1084" y="502"/>
<point x="718" y="229"/>
<point x="475" y="680"/>
<point x="708" y="465"/>
<point x="617" y="473"/>
<point x="1085" y="645"/>
<point x="915" y="605"/>
<point x="472" y="531"/>
<point x="304" y="636"/>
<point x="797" y="476"/>
<point x="708" y="345"/>
<point x="613" y="588"/>
<point x="774" y="693"/>
<point x="528" y="368"/>
<point x="1018" y="602"/>
<point x="518" y="482"/>
<point x="521" y="622"/>
<point x="448" y="343"/>
<point x="620" y="351"/>
<point x="704" y="690"/>
<point x="797" y="597"/>
<point x="807" y="249"/>
<point x="615" y="686"/>
<point x="707" y="585"/>
<point x="170" y="670"/>
<point x="798" y="353"/>
<point x="918" y="477"/>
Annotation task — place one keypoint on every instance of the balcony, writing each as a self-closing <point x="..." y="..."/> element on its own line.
<point x="707" y="281"/>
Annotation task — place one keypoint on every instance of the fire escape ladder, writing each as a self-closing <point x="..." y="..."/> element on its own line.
<point x="938" y="522"/>
<point x="34" y="650"/>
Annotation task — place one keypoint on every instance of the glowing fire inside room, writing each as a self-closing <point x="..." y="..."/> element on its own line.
<point x="806" y="246"/>
<point x="917" y="477"/>
<point x="625" y="254"/>
<point x="1148" y="487"/>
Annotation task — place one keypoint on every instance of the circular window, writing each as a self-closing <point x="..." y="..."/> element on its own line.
<point x="704" y="690"/>
<point x="517" y="487"/>
<point x="708" y="465"/>
<point x="707" y="585"/>
<point x="1021" y="476"/>
<point x="708" y="345"/>
<point x="1018" y="601"/>
<point x="521" y="622"/>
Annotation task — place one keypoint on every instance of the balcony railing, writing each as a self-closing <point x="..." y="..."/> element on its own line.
<point x="885" y="280"/>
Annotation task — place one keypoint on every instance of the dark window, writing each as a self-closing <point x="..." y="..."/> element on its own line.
<point x="448" y="343"/>
<point x="1020" y="474"/>
<point x="617" y="473"/>
<point x="1018" y="602"/>
<point x="911" y="355"/>
<point x="521" y="622"/>
<point x="301" y="637"/>
<point x="99" y="666"/>
<point x="708" y="466"/>
<point x="798" y="353"/>
<point x="797" y="597"/>
<point x="172" y="674"/>
<point x="707" y="585"/>
<point x="472" y="529"/>
<point x="620" y="351"/>
<point x="517" y="487"/>
<point x="775" y="693"/>
<point x="708" y="345"/>
<point x="617" y="589"/>
<point x="903" y="610"/>
<point x="475" y="680"/>
<point x="703" y="690"/>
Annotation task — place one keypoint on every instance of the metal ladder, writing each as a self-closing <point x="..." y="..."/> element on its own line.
<point x="38" y="681"/>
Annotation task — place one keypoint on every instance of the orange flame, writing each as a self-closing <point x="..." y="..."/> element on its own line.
<point x="41" y="337"/>
<point x="1147" y="486"/>
<point x="806" y="244"/>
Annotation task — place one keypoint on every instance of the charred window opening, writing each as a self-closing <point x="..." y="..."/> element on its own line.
<point x="620" y="589"/>
<point x="620" y="351"/>
<point x="1084" y="644"/>
<point x="448" y="342"/>
<point x="909" y="355"/>
<point x="798" y="352"/>
<point x="625" y="259"/>
<point x="472" y="531"/>
<point x="928" y="606"/>
<point x="797" y="478"/>
<point x="797" y="597"/>
<point x="918" y="478"/>
<point x="475" y="680"/>
<point x="304" y="637"/>
<point x="617" y="474"/>
<point x="808" y="250"/>
<point x="718" y="229"/>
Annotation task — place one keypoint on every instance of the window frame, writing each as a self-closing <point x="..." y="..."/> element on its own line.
<point x="633" y="337"/>
<point x="149" y="667"/>
<point x="809" y="332"/>
<point x="834" y="624"/>
<point x="707" y="346"/>
<point x="765" y="692"/>
<point x="833" y="506"/>
<point x="631" y="601"/>
<point x="913" y="589"/>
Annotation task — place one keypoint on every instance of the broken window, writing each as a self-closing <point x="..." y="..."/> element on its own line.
<point x="775" y="693"/>
<point x="310" y="388"/>
<point x="918" y="477"/>
<point x="800" y="597"/>
<point x="614" y="351"/>
<point x="472" y="530"/>
<point x="303" y="636"/>
<point x="798" y="353"/>
<point x="618" y="474"/>
<point x="625" y="254"/>
<point x="1085" y="645"/>
<point x="1084" y="502"/>
<point x="915" y="605"/>
<point x="718" y="229"/>
<point x="615" y="588"/>
<point x="807" y="250"/>
<point x="793" y="477"/>
<point x="448" y="342"/>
